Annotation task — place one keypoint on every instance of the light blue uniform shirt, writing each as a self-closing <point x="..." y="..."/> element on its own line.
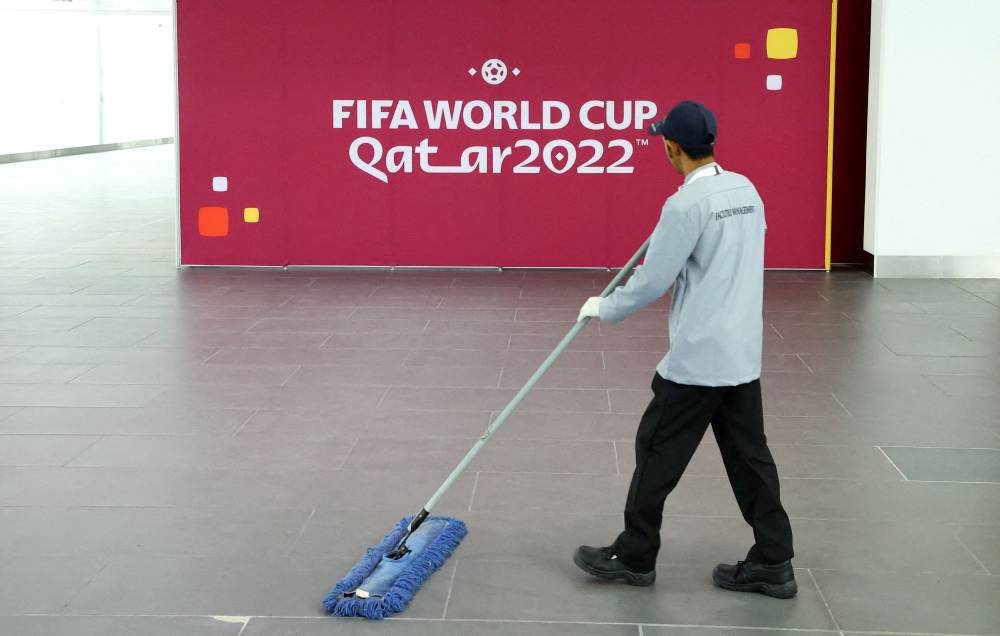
<point x="708" y="244"/>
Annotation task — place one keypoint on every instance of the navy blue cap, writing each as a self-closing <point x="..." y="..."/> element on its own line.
<point x="689" y="123"/>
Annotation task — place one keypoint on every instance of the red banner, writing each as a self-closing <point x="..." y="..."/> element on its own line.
<point x="482" y="133"/>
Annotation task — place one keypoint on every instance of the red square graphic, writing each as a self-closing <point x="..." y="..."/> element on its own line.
<point x="213" y="221"/>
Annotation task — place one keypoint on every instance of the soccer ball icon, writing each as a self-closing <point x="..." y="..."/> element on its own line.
<point x="494" y="71"/>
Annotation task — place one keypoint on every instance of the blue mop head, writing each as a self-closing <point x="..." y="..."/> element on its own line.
<point x="397" y="580"/>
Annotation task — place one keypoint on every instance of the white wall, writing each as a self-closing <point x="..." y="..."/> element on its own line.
<point x="84" y="73"/>
<point x="932" y="207"/>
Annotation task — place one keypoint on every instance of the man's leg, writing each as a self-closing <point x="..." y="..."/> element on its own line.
<point x="668" y="435"/>
<point x="739" y="430"/>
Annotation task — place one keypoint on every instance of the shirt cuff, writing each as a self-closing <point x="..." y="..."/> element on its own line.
<point x="606" y="310"/>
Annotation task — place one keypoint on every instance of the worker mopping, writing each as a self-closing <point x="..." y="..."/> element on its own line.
<point x="708" y="245"/>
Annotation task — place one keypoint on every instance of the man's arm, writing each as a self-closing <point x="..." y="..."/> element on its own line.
<point x="672" y="243"/>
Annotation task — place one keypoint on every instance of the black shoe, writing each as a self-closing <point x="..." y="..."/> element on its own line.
<point x="605" y="564"/>
<point x="776" y="580"/>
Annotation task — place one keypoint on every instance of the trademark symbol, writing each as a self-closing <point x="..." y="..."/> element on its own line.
<point x="642" y="142"/>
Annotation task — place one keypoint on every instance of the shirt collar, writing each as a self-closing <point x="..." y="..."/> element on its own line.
<point x="706" y="170"/>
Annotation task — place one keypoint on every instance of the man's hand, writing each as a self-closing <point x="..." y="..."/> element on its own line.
<point x="591" y="308"/>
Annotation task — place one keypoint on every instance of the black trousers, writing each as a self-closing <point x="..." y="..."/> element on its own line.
<point x="669" y="433"/>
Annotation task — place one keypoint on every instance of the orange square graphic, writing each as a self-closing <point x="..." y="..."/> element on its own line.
<point x="213" y="221"/>
<point x="742" y="51"/>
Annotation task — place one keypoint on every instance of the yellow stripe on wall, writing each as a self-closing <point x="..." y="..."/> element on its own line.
<point x="829" y="143"/>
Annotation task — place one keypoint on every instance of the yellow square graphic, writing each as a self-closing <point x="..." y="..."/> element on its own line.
<point x="782" y="44"/>
<point x="251" y="215"/>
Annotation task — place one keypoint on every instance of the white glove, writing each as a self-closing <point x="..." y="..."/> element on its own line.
<point x="591" y="308"/>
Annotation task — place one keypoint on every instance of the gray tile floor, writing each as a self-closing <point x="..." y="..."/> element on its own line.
<point x="207" y="451"/>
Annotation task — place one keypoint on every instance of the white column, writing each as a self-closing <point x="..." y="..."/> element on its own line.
<point x="932" y="204"/>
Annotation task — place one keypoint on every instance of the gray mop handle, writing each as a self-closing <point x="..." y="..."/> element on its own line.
<point x="529" y="385"/>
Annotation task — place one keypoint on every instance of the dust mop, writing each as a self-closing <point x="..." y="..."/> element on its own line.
<point x="384" y="581"/>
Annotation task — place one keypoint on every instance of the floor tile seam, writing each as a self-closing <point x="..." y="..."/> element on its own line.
<point x="235" y="469"/>
<point x="952" y="481"/>
<point x="381" y="399"/>
<point x="841" y="405"/>
<point x="500" y="349"/>
<point x="77" y="456"/>
<point x="561" y="513"/>
<point x="542" y="472"/>
<point x="960" y="333"/>
<point x="971" y="553"/>
<point x="339" y="509"/>
<point x="205" y="361"/>
<point x="322" y="345"/>
<point x="607" y="623"/>
<point x="970" y="523"/>
<point x="775" y="330"/>
<point x="534" y="410"/>
<point x="187" y="436"/>
<point x="289" y="553"/>
<point x="16" y="410"/>
<point x="90" y="367"/>
<point x="803" y="361"/>
<point x="74" y="434"/>
<point x="610" y="473"/>
<point x="244" y="628"/>
<point x="401" y="310"/>
<point x="903" y="354"/>
<point x="226" y="384"/>
<point x="239" y="428"/>
<point x="816" y="417"/>
<point x="826" y="603"/>
<point x="980" y="295"/>
<point x="676" y="564"/>
<point x="929" y="376"/>
<point x="964" y="291"/>
<point x="869" y="573"/>
<point x="254" y="323"/>
<point x="194" y="556"/>
<point x="472" y="495"/>
<point x="403" y="619"/>
<point x="889" y="459"/>
<point x="472" y="437"/>
<point x="415" y="619"/>
<point x="63" y="507"/>
<point x="93" y="577"/>
<point x="288" y="378"/>
<point x="623" y="624"/>
<point x="451" y="587"/>
<point x="938" y="447"/>
<point x="512" y="389"/>
<point x="347" y="455"/>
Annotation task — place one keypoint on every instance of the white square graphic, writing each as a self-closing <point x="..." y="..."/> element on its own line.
<point x="220" y="184"/>
<point x="774" y="82"/>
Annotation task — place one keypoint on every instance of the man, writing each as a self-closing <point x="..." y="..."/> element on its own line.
<point x="708" y="244"/>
